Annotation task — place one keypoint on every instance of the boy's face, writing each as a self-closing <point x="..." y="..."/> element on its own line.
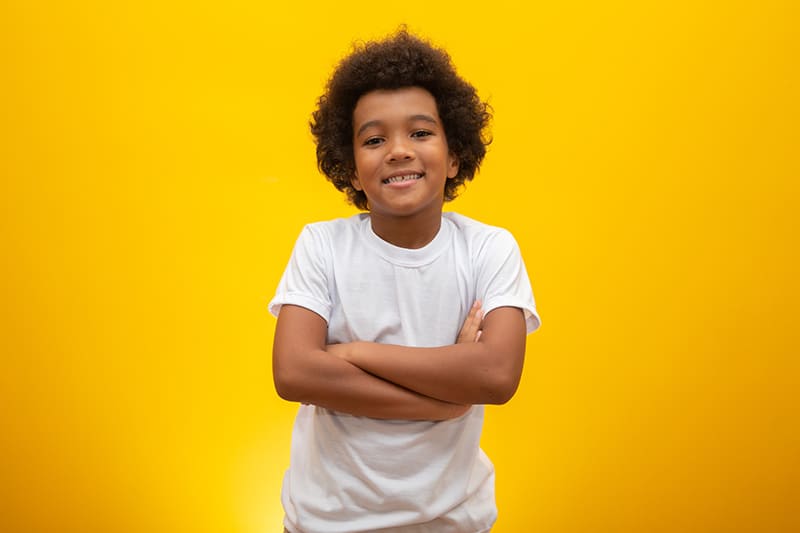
<point x="401" y="155"/>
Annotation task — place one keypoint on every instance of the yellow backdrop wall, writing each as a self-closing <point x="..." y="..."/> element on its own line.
<point x="157" y="167"/>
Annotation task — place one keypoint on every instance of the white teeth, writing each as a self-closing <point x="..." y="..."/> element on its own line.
<point x="407" y="177"/>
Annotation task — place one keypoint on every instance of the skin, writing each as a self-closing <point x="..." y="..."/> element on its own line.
<point x="399" y="132"/>
<point x="306" y="372"/>
<point x="486" y="371"/>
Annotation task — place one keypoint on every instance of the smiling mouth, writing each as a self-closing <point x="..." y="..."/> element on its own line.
<point x="405" y="177"/>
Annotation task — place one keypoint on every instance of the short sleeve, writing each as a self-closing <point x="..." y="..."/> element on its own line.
<point x="305" y="281"/>
<point x="502" y="280"/>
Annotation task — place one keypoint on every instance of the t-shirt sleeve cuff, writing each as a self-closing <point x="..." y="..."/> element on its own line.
<point x="532" y="320"/>
<point x="301" y="300"/>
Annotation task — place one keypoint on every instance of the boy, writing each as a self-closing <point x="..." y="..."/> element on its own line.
<point x="381" y="331"/>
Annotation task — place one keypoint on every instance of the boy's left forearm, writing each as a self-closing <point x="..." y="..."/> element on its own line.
<point x="483" y="372"/>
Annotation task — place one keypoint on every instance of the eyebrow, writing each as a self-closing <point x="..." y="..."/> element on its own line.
<point x="412" y="118"/>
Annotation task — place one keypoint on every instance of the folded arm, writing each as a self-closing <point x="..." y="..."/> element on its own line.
<point x="305" y="372"/>
<point x="486" y="371"/>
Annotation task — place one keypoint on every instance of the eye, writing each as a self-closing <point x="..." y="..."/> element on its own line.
<point x="373" y="141"/>
<point x="422" y="133"/>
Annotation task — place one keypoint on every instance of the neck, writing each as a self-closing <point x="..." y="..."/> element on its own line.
<point x="407" y="232"/>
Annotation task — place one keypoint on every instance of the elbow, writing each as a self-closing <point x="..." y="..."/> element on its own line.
<point x="501" y="388"/>
<point x="501" y="394"/>
<point x="286" y="387"/>
<point x="503" y="375"/>
<point x="283" y="388"/>
<point x="293" y="375"/>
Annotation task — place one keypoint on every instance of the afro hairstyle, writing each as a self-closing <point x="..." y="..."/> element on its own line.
<point x="401" y="60"/>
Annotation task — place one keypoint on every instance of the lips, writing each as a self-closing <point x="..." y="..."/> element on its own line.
<point x="412" y="176"/>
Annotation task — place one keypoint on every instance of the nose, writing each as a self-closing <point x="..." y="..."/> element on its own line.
<point x="400" y="150"/>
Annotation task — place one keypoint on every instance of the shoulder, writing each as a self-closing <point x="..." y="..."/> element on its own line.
<point x="333" y="230"/>
<point x="335" y="225"/>
<point x="479" y="235"/>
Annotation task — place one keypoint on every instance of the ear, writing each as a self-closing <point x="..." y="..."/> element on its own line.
<point x="354" y="181"/>
<point x="452" y="166"/>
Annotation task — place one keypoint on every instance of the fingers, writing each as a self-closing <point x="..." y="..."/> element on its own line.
<point x="471" y="329"/>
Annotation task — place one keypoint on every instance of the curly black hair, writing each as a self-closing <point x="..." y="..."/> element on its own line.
<point x="401" y="60"/>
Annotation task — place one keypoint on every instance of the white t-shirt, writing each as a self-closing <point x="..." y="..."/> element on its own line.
<point x="350" y="474"/>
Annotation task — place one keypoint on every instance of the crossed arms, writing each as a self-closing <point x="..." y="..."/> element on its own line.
<point x="483" y="366"/>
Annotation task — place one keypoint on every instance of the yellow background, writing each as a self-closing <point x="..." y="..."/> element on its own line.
<point x="157" y="167"/>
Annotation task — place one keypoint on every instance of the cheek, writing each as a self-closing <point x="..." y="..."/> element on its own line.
<point x="366" y="163"/>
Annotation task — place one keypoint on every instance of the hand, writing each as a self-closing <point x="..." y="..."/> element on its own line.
<point x="471" y="329"/>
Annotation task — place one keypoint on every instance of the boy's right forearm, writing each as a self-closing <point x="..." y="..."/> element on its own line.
<point x="324" y="380"/>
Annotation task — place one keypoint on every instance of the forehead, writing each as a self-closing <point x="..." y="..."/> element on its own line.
<point x="387" y="105"/>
